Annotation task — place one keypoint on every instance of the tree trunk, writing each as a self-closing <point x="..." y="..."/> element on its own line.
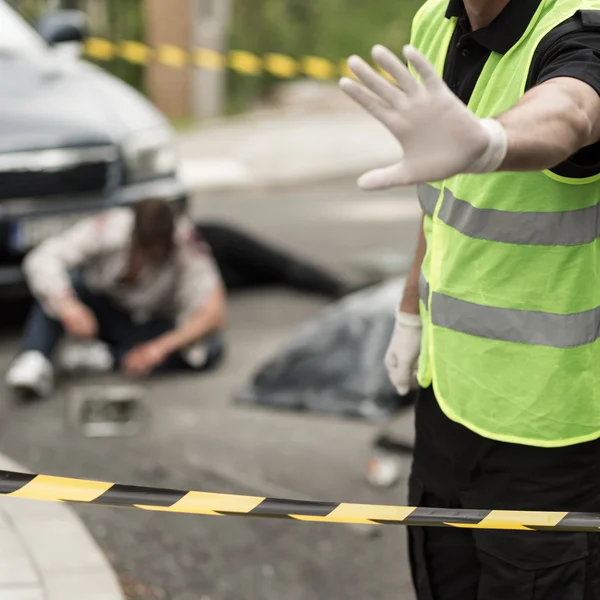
<point x="169" y="87"/>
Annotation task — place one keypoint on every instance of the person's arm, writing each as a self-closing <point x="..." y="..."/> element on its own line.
<point x="410" y="299"/>
<point x="401" y="357"/>
<point x="46" y="268"/>
<point x="550" y="123"/>
<point x="199" y="304"/>
<point x="440" y="137"/>
<point x="206" y="319"/>
<point x="201" y="308"/>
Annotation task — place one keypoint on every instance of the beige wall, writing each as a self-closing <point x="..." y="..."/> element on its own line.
<point x="168" y="22"/>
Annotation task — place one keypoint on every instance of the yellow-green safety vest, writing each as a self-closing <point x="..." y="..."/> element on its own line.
<point x="510" y="284"/>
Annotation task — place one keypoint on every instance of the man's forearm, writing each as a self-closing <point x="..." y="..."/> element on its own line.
<point x="208" y="319"/>
<point x="410" y="299"/>
<point x="551" y="122"/>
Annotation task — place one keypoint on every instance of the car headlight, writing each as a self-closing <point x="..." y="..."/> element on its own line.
<point x="149" y="155"/>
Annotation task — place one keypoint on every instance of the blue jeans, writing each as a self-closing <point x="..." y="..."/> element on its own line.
<point x="115" y="328"/>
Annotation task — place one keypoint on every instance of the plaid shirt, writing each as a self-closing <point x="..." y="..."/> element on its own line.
<point x="99" y="248"/>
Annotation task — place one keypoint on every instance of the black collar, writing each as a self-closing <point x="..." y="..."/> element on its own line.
<point x="505" y="30"/>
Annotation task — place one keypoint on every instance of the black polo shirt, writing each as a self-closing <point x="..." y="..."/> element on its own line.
<point x="570" y="50"/>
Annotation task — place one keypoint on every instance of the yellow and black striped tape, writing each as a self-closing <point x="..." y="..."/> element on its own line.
<point x="62" y="489"/>
<point x="245" y="63"/>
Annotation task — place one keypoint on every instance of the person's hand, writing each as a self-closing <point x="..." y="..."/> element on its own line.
<point x="77" y="319"/>
<point x="439" y="136"/>
<point x="402" y="356"/>
<point x="143" y="359"/>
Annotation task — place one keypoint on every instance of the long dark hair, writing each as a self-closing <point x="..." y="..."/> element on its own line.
<point x="154" y="224"/>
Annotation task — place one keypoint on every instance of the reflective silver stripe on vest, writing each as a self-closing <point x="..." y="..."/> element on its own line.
<point x="424" y="290"/>
<point x="567" y="228"/>
<point x="428" y="197"/>
<point x="521" y="326"/>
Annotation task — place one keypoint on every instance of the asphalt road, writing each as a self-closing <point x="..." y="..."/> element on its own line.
<point x="198" y="439"/>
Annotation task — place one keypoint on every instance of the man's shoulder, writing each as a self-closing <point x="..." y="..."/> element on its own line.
<point x="570" y="50"/>
<point x="430" y="8"/>
<point x="583" y="27"/>
<point x="427" y="18"/>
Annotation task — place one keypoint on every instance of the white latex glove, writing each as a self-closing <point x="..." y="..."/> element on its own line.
<point x="402" y="356"/>
<point x="440" y="137"/>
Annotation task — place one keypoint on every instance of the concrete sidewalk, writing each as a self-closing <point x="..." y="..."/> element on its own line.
<point x="281" y="148"/>
<point x="47" y="554"/>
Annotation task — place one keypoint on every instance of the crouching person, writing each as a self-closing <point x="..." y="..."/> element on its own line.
<point x="135" y="278"/>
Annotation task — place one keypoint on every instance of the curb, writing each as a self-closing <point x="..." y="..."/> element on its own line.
<point x="283" y="151"/>
<point x="231" y="176"/>
<point x="59" y="559"/>
<point x="213" y="175"/>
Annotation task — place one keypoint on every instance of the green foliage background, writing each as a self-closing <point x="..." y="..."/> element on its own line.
<point x="332" y="29"/>
<point x="124" y="21"/>
<point x="29" y="9"/>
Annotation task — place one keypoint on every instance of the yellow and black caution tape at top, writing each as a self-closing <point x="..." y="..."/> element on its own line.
<point x="62" y="489"/>
<point x="245" y="63"/>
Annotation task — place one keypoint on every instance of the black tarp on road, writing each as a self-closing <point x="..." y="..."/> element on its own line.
<point x="334" y="363"/>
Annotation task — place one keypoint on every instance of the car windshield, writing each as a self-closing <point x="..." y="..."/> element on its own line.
<point x="16" y="36"/>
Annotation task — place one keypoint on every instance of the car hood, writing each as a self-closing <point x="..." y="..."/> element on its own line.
<point x="48" y="103"/>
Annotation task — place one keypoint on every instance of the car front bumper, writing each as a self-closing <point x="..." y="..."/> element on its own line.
<point x="16" y="211"/>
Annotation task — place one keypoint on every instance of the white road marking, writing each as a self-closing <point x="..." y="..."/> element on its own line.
<point x="374" y="209"/>
<point x="217" y="172"/>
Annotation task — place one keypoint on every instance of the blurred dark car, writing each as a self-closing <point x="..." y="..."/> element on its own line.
<point x="74" y="140"/>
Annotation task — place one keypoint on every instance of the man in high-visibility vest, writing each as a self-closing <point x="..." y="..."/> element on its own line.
<point x="498" y="118"/>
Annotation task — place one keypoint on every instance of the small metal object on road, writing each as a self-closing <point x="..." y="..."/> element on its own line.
<point x="384" y="470"/>
<point x="387" y="464"/>
<point x="106" y="410"/>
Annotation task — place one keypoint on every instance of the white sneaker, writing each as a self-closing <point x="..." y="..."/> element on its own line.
<point x="94" y="356"/>
<point x="31" y="374"/>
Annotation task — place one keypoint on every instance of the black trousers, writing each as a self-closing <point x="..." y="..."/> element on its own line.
<point x="247" y="262"/>
<point x="456" y="468"/>
<point x="116" y="328"/>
